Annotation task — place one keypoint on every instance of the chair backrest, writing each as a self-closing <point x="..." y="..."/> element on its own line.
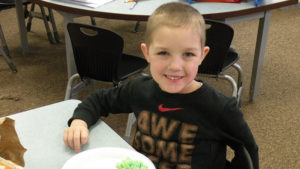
<point x="218" y="37"/>
<point x="97" y="51"/>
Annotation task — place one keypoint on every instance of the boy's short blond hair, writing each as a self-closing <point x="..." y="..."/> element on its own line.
<point x="175" y="14"/>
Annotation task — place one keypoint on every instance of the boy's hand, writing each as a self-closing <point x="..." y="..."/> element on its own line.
<point x="76" y="135"/>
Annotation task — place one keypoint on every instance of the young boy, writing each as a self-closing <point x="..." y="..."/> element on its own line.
<point x="181" y="123"/>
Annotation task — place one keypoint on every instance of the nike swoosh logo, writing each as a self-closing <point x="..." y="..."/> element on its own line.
<point x="164" y="109"/>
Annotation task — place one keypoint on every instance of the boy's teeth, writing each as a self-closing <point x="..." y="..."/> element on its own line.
<point x="173" y="78"/>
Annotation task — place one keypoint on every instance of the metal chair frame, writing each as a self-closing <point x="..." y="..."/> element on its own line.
<point x="46" y="19"/>
<point x="5" y="52"/>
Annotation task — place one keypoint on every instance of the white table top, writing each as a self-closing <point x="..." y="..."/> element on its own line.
<point x="146" y="7"/>
<point x="41" y="132"/>
<point x="119" y="9"/>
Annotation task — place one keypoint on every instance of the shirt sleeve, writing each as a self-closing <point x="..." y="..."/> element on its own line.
<point x="102" y="102"/>
<point x="237" y="131"/>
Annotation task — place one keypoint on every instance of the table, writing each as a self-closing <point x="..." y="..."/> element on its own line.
<point x="228" y="12"/>
<point x="41" y="132"/>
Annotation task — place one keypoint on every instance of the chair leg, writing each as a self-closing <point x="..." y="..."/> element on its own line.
<point x="232" y="82"/>
<point x="236" y="92"/>
<point x="69" y="86"/>
<point x="239" y="82"/>
<point x="9" y="62"/>
<point x="137" y="26"/>
<point x="240" y="74"/>
<point x="29" y="22"/>
<point x="131" y="120"/>
<point x="52" y="21"/>
<point x="93" y="21"/>
<point x="73" y="91"/>
<point x="79" y="87"/>
<point x="45" y="19"/>
<point x="3" y="41"/>
<point x="5" y="52"/>
<point x="26" y="12"/>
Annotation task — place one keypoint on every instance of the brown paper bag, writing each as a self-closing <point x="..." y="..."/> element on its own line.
<point x="10" y="146"/>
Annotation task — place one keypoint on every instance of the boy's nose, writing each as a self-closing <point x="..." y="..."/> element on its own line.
<point x="175" y="63"/>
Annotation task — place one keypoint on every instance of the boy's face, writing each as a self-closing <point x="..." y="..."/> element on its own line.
<point x="174" y="56"/>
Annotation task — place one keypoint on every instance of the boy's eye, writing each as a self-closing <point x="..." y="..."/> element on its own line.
<point x="188" y="54"/>
<point x="162" y="53"/>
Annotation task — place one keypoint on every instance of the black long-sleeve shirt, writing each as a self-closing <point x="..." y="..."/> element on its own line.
<point x="188" y="131"/>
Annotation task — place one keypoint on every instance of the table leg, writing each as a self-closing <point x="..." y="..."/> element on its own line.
<point x="261" y="41"/>
<point x="22" y="28"/>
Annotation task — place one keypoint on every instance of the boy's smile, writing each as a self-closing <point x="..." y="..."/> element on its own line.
<point x="174" y="56"/>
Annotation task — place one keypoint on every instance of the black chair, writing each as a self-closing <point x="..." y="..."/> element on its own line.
<point x="221" y="56"/>
<point x="3" y="46"/>
<point x="98" y="55"/>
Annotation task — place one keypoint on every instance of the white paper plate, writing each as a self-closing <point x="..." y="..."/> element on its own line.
<point x="104" y="158"/>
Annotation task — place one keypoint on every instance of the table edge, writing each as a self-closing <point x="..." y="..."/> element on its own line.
<point x="109" y="15"/>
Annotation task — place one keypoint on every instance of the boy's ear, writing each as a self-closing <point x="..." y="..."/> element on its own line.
<point x="204" y="53"/>
<point x="145" y="51"/>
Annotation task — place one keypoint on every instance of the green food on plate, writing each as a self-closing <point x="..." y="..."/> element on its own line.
<point x="131" y="164"/>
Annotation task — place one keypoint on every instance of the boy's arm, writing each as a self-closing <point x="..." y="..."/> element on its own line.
<point x="101" y="103"/>
<point x="97" y="104"/>
<point x="238" y="131"/>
